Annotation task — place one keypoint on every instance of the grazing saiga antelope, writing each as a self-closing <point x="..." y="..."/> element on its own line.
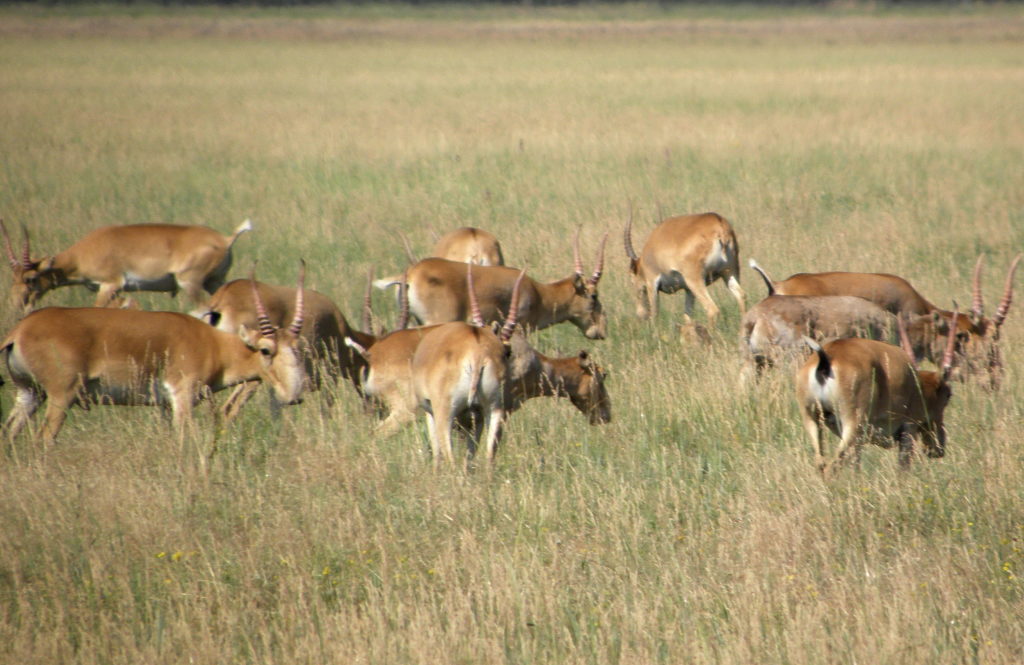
<point x="83" y="355"/>
<point x="135" y="257"/>
<point x="688" y="252"/>
<point x="438" y="294"/>
<point x="469" y="245"/>
<point x="977" y="336"/>
<point x="324" y="331"/>
<point x="776" y="326"/>
<point x="863" y="390"/>
<point x="389" y="377"/>
<point x="458" y="367"/>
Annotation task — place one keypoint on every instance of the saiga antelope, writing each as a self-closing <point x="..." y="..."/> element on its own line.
<point x="458" y="367"/>
<point x="135" y="257"/>
<point x="868" y="390"/>
<point x="578" y="378"/>
<point x="389" y="376"/>
<point x="110" y="356"/>
<point x="776" y="326"/>
<point x="438" y="294"/>
<point x="324" y="331"/>
<point x="977" y="335"/>
<point x="469" y="245"/>
<point x="688" y="252"/>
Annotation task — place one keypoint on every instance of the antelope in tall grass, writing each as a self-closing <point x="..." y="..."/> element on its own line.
<point x="136" y="257"/>
<point x="689" y="252"/>
<point x="324" y="332"/>
<point x="88" y="355"/>
<point x="977" y="335"/>
<point x="865" y="390"/>
<point x="389" y="377"/>
<point x="458" y="367"/>
<point x="776" y="326"/>
<point x="438" y="294"/>
<point x="469" y="245"/>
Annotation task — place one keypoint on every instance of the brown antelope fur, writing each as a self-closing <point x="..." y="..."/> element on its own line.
<point x="891" y="293"/>
<point x="389" y="378"/>
<point x="112" y="356"/>
<point x="688" y="252"/>
<point x="136" y="257"/>
<point x="868" y="390"/>
<point x="323" y="334"/>
<point x="469" y="245"/>
<point x="775" y="327"/>
<point x="977" y="336"/>
<point x="459" y="367"/>
<point x="438" y="294"/>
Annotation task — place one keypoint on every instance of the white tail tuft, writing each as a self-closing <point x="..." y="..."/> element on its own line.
<point x="386" y="282"/>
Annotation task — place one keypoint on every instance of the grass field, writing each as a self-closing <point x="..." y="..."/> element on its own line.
<point x="694" y="527"/>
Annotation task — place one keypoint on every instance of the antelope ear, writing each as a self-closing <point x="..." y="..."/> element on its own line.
<point x="584" y="358"/>
<point x="634" y="266"/>
<point x="45" y="263"/>
<point x="250" y="336"/>
<point x="579" y="283"/>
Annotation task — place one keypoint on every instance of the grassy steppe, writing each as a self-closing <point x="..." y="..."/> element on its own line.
<point x="691" y="529"/>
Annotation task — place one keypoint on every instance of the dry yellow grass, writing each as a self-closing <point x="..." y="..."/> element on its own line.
<point x="691" y="529"/>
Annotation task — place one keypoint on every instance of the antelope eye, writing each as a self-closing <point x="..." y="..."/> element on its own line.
<point x="265" y="351"/>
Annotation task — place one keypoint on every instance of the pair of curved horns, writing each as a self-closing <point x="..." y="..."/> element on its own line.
<point x="578" y="260"/>
<point x="513" y="307"/>
<point x="266" y="327"/>
<point x="978" y="304"/>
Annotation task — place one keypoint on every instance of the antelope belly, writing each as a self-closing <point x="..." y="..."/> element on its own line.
<point x="150" y="393"/>
<point x="139" y="283"/>
<point x="671" y="281"/>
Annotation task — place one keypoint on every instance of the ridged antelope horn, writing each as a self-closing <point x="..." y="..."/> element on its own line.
<point x="905" y="344"/>
<point x="977" y="302"/>
<point x="475" y="317"/>
<point x="368" y="315"/>
<point x="577" y="260"/>
<point x="513" y="310"/>
<point x="599" y="267"/>
<point x="627" y="236"/>
<point x="300" y="301"/>
<point x="1004" y="304"/>
<point x="947" y="357"/>
<point x="10" y="249"/>
<point x="266" y="327"/>
<point x="403" y="302"/>
<point x="26" y="252"/>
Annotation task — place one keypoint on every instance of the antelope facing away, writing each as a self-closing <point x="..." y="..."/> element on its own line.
<point x="977" y="335"/>
<point x="135" y="257"/>
<point x="438" y="294"/>
<point x="578" y="378"/>
<point x="324" y="331"/>
<point x="688" y="252"/>
<point x="469" y="245"/>
<point x="90" y="355"/>
<point x="458" y="367"/>
<point x="389" y="376"/>
<point x="868" y="390"/>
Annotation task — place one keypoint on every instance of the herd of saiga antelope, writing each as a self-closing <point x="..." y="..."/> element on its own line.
<point x="475" y="373"/>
